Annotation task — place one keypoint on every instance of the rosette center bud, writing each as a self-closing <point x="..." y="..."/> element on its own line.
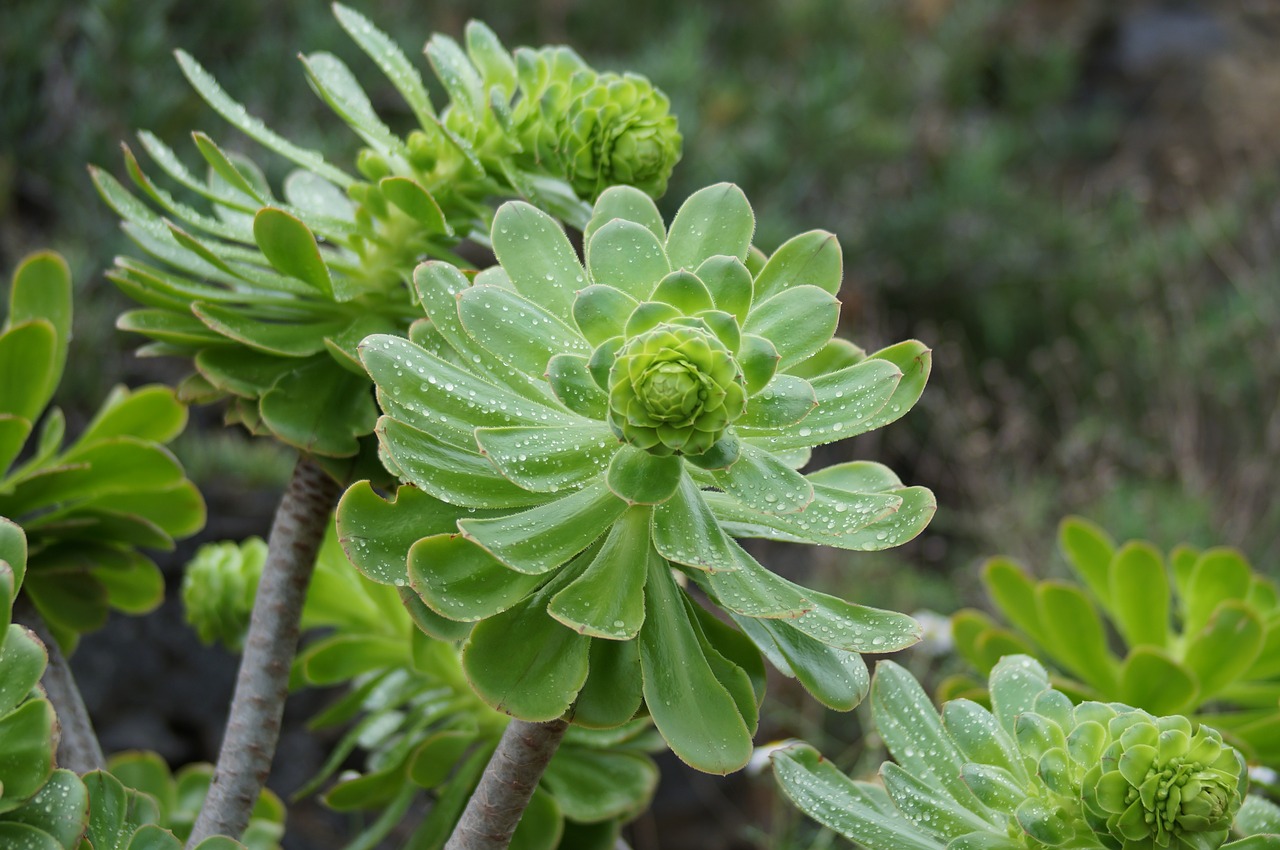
<point x="674" y="390"/>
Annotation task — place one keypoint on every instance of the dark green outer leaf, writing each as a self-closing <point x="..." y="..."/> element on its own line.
<point x="607" y="599"/>
<point x="320" y="409"/>
<point x="821" y="791"/>
<point x="462" y="582"/>
<point x="289" y="245"/>
<point x="28" y="368"/>
<point x="693" y="711"/>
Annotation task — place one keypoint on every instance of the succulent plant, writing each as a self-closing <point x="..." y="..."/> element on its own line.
<point x="177" y="798"/>
<point x="425" y="732"/>
<point x="218" y="587"/>
<point x="1034" y="772"/>
<point x="269" y="295"/>
<point x="1199" y="631"/>
<point x="86" y="507"/>
<point x="582" y="442"/>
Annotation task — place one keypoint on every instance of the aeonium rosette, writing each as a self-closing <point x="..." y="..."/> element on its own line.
<point x="583" y="442"/>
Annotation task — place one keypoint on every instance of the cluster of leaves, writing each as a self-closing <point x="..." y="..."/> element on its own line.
<point x="86" y="506"/>
<point x="270" y="296"/>
<point x="410" y="708"/>
<point x="1033" y="772"/>
<point x="1200" y="632"/>
<point x="43" y="808"/>
<point x="553" y="521"/>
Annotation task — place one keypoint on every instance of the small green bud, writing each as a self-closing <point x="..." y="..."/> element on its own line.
<point x="218" y="589"/>
<point x="372" y="165"/>
<point x="674" y="390"/>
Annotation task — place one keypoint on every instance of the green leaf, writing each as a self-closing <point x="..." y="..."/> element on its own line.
<point x="682" y="290"/>
<point x="13" y="551"/>
<point x="822" y="792"/>
<point x="433" y="759"/>
<point x="517" y="331"/>
<point x="849" y="403"/>
<point x="291" y="248"/>
<point x="118" y="465"/>
<point x="75" y="602"/>
<point x="415" y="202"/>
<point x="549" y="459"/>
<point x="913" y="732"/>
<point x="337" y="86"/>
<point x="26" y="749"/>
<point x="1218" y="575"/>
<point x="1140" y="595"/>
<point x="495" y="64"/>
<point x="137" y="589"/>
<point x="377" y="533"/>
<point x="383" y="51"/>
<point x="693" y="711"/>
<point x="627" y="256"/>
<point x="607" y="599"/>
<point x="1013" y="592"/>
<point x="534" y="250"/>
<point x="1089" y="552"/>
<point x="714" y="220"/>
<point x="1015" y="683"/>
<point x="1074" y="634"/>
<point x="798" y="321"/>
<point x="836" y="678"/>
<point x="573" y="385"/>
<point x="1225" y="648"/>
<point x="28" y="368"/>
<point x="535" y="676"/>
<point x="460" y="581"/>
<point x="595" y="785"/>
<point x="341" y="657"/>
<point x="601" y="312"/>
<point x="629" y="204"/>
<point x="1151" y="680"/>
<point x="855" y="628"/>
<point x="23" y="659"/>
<point x="465" y="88"/>
<point x="236" y="114"/>
<point x="613" y="690"/>
<point x="980" y="739"/>
<point x="41" y="289"/>
<point x="785" y="401"/>
<point x="641" y="478"/>
<point x="923" y="801"/>
<point x="729" y="283"/>
<point x="812" y="258"/>
<point x="298" y="337"/>
<point x="763" y="482"/>
<point x="148" y="413"/>
<point x="178" y="511"/>
<point x="541" y="825"/>
<point x="542" y="538"/>
<point x="59" y="810"/>
<point x="687" y="532"/>
<point x="320" y="410"/>
<point x="754" y="591"/>
<point x="457" y="476"/>
<point x="24" y="837"/>
<point x="14" y="431"/>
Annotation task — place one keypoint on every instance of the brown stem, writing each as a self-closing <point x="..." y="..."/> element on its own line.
<point x="508" y="783"/>
<point x="78" y="747"/>
<point x="253" y="724"/>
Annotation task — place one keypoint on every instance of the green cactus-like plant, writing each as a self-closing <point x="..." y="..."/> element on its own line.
<point x="425" y="731"/>
<point x="269" y="294"/>
<point x="1198" y="631"/>
<point x="1034" y="772"/>
<point x="583" y="441"/>
<point x="86" y="507"/>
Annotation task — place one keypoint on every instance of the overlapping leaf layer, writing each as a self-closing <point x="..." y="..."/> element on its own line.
<point x="557" y="527"/>
<point x="1199" y="631"/>
<point x="1033" y="772"/>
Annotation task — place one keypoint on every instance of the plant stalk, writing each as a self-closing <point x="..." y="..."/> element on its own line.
<point x="508" y="783"/>
<point x="253" y="724"/>
<point x="78" y="747"/>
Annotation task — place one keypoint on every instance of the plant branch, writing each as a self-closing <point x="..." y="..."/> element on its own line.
<point x="508" y="783"/>
<point x="253" y="724"/>
<point x="78" y="747"/>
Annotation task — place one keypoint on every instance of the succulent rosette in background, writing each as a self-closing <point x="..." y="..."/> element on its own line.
<point x="583" y="443"/>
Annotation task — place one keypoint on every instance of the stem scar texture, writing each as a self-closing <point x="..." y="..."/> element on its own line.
<point x="507" y="785"/>
<point x="253" y="725"/>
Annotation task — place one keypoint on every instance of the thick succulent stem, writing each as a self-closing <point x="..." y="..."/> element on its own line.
<point x="508" y="783"/>
<point x="253" y="724"/>
<point x="78" y="747"/>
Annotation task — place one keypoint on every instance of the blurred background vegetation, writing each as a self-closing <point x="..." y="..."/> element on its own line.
<point x="1073" y="201"/>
